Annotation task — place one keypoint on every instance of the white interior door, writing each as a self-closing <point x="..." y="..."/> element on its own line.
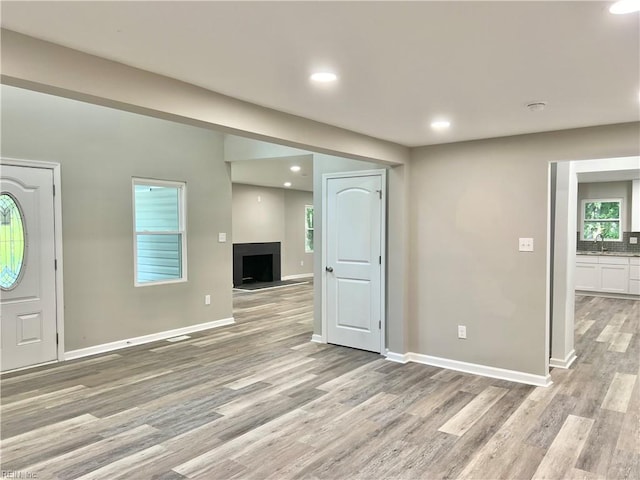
<point x="27" y="271"/>
<point x="354" y="240"/>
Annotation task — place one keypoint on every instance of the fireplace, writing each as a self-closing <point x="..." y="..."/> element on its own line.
<point x="256" y="262"/>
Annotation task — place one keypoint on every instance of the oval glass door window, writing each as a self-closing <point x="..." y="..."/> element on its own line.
<point x="12" y="242"/>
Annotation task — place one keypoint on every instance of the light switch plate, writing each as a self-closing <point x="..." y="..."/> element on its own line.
<point x="222" y="237"/>
<point x="525" y="245"/>
<point x="462" y="331"/>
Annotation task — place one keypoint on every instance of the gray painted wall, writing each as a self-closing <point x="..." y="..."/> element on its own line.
<point x="263" y="214"/>
<point x="398" y="258"/>
<point x="100" y="150"/>
<point x="257" y="214"/>
<point x="295" y="260"/>
<point x="470" y="202"/>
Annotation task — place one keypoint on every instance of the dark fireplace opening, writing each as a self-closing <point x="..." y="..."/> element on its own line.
<point x="256" y="263"/>
<point x="257" y="268"/>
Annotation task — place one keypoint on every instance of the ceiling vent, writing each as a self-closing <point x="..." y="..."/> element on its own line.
<point x="536" y="106"/>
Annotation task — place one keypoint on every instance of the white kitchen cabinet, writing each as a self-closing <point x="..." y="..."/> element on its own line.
<point x="608" y="274"/>
<point x="614" y="278"/>
<point x="634" y="276"/>
<point x="587" y="276"/>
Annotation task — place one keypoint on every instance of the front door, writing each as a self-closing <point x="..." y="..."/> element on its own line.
<point x="27" y="271"/>
<point x="354" y="236"/>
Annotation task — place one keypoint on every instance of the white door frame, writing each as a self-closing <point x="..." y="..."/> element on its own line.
<point x="383" y="249"/>
<point x="57" y="221"/>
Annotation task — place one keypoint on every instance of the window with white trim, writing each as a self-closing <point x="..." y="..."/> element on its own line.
<point x="308" y="228"/>
<point x="160" y="237"/>
<point x="601" y="219"/>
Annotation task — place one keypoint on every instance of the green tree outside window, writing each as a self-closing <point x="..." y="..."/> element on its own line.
<point x="308" y="228"/>
<point x="601" y="217"/>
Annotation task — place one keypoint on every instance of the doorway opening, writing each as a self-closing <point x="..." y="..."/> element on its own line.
<point x="581" y="261"/>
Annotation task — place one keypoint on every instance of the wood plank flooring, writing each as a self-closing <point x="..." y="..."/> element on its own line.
<point x="258" y="400"/>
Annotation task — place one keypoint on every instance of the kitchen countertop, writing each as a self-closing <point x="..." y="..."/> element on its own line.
<point x="609" y="254"/>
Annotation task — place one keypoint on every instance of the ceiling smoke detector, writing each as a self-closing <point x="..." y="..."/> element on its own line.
<point x="536" y="106"/>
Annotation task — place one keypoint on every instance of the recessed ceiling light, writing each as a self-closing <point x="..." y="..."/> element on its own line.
<point x="625" y="6"/>
<point x="324" y="77"/>
<point x="287" y="184"/>
<point x="294" y="168"/>
<point x="440" y="124"/>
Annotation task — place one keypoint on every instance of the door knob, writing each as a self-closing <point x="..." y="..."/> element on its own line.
<point x="329" y="269"/>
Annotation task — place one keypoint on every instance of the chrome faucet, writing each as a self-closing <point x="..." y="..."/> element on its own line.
<point x="601" y="242"/>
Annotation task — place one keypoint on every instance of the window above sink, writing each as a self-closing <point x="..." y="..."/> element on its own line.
<point x="601" y="219"/>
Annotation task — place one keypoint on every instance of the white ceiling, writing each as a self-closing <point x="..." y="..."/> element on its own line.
<point x="273" y="172"/>
<point x="401" y="64"/>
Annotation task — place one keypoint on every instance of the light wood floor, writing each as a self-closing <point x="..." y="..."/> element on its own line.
<point x="257" y="400"/>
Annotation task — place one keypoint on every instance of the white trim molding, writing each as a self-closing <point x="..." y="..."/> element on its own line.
<point x="397" y="357"/>
<point x="315" y="338"/>
<point x="473" y="368"/>
<point x="153" y="337"/>
<point x="484" y="370"/>
<point x="563" y="363"/>
<point x="181" y="231"/>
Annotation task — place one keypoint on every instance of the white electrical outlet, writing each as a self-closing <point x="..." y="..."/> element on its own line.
<point x="633" y="240"/>
<point x="525" y="245"/>
<point x="207" y="299"/>
<point x="462" y="331"/>
<point x="302" y="263"/>
<point x="222" y="237"/>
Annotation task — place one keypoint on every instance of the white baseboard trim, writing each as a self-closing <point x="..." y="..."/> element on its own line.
<point x="563" y="363"/>
<point x="397" y="357"/>
<point x="153" y="337"/>
<point x="297" y="276"/>
<point x="483" y="370"/>
<point x="317" y="338"/>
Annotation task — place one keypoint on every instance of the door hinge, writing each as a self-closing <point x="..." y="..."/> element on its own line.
<point x="55" y="264"/>
<point x="379" y="324"/>
<point x="379" y="194"/>
<point x="57" y="339"/>
<point x="380" y="260"/>
<point x="54" y="190"/>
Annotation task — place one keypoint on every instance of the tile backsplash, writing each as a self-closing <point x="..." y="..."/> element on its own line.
<point x="623" y="246"/>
